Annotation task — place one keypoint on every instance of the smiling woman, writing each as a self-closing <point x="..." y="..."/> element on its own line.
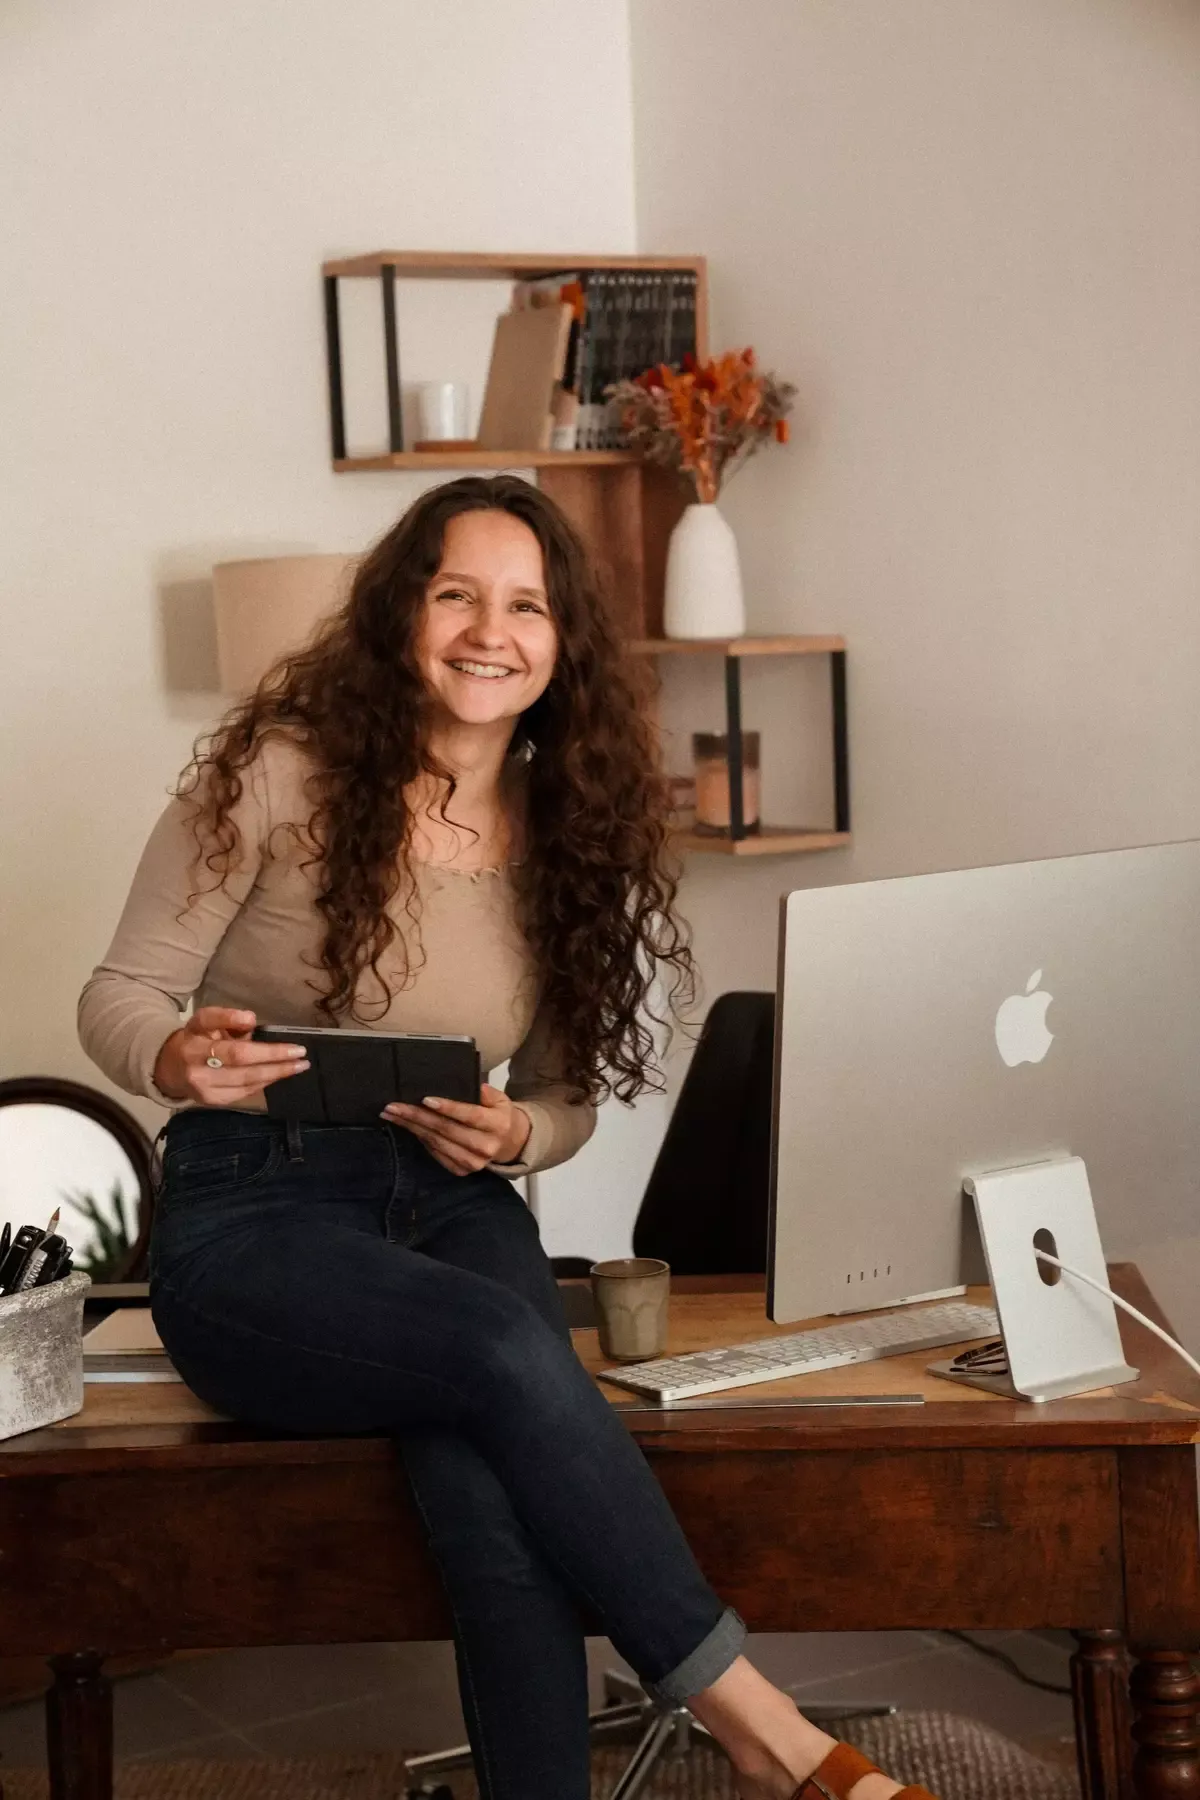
<point x="487" y="642"/>
<point x="444" y="815"/>
<point x="469" y="696"/>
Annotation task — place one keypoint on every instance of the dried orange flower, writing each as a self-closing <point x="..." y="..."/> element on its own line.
<point x="704" y="419"/>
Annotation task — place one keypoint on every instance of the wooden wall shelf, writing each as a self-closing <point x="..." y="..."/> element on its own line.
<point x="623" y="508"/>
<point x="772" y="840"/>
<point x="739" y="646"/>
<point x="486" y="265"/>
<point x="486" y="459"/>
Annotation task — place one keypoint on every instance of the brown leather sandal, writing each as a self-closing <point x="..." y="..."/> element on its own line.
<point x="842" y="1768"/>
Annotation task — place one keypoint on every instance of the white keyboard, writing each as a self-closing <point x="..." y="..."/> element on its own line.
<point x="807" y="1352"/>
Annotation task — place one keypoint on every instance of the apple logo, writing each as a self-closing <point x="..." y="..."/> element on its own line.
<point x="1021" y="1032"/>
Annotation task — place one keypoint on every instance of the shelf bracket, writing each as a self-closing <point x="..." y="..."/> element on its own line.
<point x="841" y="741"/>
<point x="733" y="726"/>
<point x="391" y="350"/>
<point x="333" y="354"/>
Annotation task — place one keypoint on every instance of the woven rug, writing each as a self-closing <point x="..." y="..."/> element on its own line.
<point x="958" y="1759"/>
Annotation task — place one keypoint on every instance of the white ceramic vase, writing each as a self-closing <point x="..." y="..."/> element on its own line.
<point x="703" y="596"/>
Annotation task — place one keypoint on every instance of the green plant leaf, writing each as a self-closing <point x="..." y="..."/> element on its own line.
<point x="114" y="1228"/>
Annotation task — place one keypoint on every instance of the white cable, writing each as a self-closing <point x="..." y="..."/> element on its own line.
<point x="1045" y="1256"/>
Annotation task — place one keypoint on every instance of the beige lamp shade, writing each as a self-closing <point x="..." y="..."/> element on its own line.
<point x="270" y="605"/>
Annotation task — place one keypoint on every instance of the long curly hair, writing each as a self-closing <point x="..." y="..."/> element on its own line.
<point x="596" y="887"/>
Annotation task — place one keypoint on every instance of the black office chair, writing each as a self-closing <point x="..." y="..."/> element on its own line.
<point x="705" y="1212"/>
<point x="705" y="1206"/>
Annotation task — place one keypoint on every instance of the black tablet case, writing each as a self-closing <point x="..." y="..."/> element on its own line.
<point x="354" y="1075"/>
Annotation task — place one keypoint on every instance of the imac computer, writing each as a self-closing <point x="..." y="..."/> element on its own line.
<point x="936" y="1027"/>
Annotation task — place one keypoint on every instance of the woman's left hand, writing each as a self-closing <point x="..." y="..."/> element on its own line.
<point x="466" y="1138"/>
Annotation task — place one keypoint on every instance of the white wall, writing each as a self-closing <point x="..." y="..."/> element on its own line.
<point x="968" y="232"/>
<point x="174" y="175"/>
<point x="971" y="234"/>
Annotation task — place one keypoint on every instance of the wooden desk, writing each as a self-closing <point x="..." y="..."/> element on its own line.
<point x="148" y="1523"/>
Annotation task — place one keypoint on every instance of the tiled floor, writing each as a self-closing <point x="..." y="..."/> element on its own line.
<point x="307" y="1701"/>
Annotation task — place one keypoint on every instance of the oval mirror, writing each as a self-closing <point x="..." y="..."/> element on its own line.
<point x="64" y="1145"/>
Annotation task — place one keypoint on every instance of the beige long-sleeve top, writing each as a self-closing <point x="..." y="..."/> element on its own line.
<point x="254" y="942"/>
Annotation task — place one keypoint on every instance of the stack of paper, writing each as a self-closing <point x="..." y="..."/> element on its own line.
<point x="126" y="1347"/>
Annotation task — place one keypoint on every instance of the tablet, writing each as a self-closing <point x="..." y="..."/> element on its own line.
<point x="355" y="1074"/>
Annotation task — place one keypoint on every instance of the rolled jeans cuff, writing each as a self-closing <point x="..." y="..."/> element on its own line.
<point x="710" y="1659"/>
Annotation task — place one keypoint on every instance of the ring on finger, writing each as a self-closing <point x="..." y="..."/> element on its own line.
<point x="214" y="1062"/>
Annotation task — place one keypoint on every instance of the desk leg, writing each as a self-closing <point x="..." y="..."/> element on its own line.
<point x="79" y="1728"/>
<point x="1165" y="1692"/>
<point x="1103" y="1716"/>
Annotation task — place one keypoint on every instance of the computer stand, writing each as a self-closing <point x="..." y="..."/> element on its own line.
<point x="1060" y="1336"/>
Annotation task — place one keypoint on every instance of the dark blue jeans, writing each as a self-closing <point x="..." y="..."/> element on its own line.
<point x="339" y="1280"/>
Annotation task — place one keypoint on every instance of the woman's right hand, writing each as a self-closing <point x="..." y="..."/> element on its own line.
<point x="182" y="1071"/>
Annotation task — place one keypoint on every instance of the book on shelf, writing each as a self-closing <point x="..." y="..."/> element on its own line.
<point x="525" y="374"/>
<point x="559" y="290"/>
<point x="623" y="322"/>
<point x="126" y="1347"/>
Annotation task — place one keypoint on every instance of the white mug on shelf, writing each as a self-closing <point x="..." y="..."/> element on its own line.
<point x="442" y="410"/>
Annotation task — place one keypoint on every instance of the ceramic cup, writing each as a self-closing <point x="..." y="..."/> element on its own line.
<point x="442" y="410"/>
<point x="631" y="1294"/>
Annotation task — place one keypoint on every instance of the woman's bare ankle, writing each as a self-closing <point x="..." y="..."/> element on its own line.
<point x="771" y="1745"/>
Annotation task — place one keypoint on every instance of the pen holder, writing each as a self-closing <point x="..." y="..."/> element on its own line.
<point x="41" y="1354"/>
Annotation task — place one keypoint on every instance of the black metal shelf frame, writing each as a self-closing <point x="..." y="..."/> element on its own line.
<point x="333" y="353"/>
<point x="840" y="743"/>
